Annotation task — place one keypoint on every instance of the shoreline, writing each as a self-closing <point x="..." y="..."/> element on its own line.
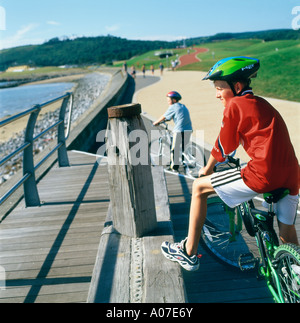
<point x="87" y="89"/>
<point x="14" y="128"/>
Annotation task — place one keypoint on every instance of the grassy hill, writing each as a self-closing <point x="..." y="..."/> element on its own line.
<point x="150" y="58"/>
<point x="278" y="50"/>
<point x="278" y="77"/>
<point x="80" y="51"/>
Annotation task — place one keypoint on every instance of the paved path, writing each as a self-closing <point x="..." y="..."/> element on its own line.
<point x="192" y="57"/>
<point x="206" y="111"/>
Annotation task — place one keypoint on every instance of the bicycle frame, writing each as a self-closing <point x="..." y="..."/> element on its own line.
<point x="166" y="134"/>
<point x="235" y="225"/>
<point x="226" y="242"/>
<point x="167" y="137"/>
<point x="267" y="243"/>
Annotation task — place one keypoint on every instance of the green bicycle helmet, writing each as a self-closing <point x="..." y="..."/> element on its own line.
<point x="233" y="69"/>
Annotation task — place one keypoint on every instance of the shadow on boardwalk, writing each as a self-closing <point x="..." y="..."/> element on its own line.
<point x="213" y="282"/>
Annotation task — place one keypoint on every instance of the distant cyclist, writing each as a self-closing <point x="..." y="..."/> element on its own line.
<point x="251" y="121"/>
<point x="182" y="131"/>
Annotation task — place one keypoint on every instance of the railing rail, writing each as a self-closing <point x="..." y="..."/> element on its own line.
<point x="29" y="179"/>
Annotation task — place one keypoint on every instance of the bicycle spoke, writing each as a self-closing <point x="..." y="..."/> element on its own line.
<point x="288" y="257"/>
<point x="291" y="287"/>
<point x="217" y="237"/>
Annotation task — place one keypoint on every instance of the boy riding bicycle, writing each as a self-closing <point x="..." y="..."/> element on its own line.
<point x="183" y="126"/>
<point x="251" y="121"/>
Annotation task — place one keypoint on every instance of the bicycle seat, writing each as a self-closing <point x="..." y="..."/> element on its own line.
<point x="276" y="195"/>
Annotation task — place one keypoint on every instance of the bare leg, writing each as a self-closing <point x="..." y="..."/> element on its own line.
<point x="202" y="188"/>
<point x="288" y="233"/>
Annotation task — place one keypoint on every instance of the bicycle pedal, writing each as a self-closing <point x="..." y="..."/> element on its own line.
<point x="247" y="261"/>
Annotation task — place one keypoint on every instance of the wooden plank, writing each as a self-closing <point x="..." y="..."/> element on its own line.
<point x="49" y="252"/>
<point x="150" y="283"/>
<point x="111" y="275"/>
<point x="163" y="283"/>
<point x="130" y="181"/>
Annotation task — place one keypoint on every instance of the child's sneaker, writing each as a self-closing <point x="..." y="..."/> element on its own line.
<point x="176" y="252"/>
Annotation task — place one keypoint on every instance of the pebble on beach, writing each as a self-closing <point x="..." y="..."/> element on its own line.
<point x="88" y="89"/>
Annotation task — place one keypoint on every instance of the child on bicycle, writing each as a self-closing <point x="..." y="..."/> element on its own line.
<point x="251" y="121"/>
<point x="183" y="126"/>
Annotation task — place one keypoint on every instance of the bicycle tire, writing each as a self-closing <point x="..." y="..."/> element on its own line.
<point x="159" y="152"/>
<point x="287" y="259"/>
<point x="216" y="236"/>
<point x="195" y="154"/>
<point x="244" y="211"/>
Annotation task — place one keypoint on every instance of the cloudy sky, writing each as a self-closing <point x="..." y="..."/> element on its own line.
<point x="24" y="22"/>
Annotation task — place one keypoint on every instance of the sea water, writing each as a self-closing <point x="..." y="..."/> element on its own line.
<point x="18" y="99"/>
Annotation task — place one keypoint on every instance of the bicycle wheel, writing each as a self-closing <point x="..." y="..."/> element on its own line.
<point x="160" y="153"/>
<point x="221" y="236"/>
<point x="195" y="155"/>
<point x="245" y="213"/>
<point x="287" y="257"/>
<point x="194" y="158"/>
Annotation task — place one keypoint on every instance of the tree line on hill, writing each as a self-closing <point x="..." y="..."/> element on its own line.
<point x="79" y="51"/>
<point x="266" y="35"/>
<point x="106" y="49"/>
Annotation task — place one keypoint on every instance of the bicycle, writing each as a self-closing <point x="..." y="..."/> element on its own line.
<point x="223" y="234"/>
<point x="192" y="158"/>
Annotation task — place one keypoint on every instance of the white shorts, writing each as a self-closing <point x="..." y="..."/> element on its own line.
<point x="231" y="188"/>
<point x="286" y="209"/>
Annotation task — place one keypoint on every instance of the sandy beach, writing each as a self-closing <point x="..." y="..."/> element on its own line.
<point x="87" y="88"/>
<point x="11" y="129"/>
<point x="206" y="111"/>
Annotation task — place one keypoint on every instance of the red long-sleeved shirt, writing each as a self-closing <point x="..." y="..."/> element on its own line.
<point x="253" y="122"/>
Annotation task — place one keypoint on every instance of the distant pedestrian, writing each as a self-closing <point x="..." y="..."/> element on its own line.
<point x="144" y="70"/>
<point x="152" y="69"/>
<point x="173" y="65"/>
<point x="161" y="67"/>
<point x="133" y="72"/>
<point x="125" y="67"/>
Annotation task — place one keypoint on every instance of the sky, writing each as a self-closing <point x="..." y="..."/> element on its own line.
<point x="27" y="22"/>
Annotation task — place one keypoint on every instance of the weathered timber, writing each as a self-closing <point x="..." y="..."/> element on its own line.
<point x="130" y="178"/>
<point x="133" y="270"/>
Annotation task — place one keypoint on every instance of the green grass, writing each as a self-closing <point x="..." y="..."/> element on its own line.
<point x="279" y="75"/>
<point x="149" y="59"/>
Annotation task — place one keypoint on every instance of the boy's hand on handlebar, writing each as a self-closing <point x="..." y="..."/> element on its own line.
<point x="205" y="171"/>
<point x="208" y="169"/>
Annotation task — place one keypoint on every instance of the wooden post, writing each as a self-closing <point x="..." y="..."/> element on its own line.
<point x="130" y="177"/>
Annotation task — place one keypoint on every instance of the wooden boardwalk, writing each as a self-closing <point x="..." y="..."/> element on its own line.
<point x="213" y="282"/>
<point x="49" y="252"/>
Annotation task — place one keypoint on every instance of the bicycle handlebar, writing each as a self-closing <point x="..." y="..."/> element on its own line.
<point x="164" y="124"/>
<point x="229" y="160"/>
<point x="235" y="161"/>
